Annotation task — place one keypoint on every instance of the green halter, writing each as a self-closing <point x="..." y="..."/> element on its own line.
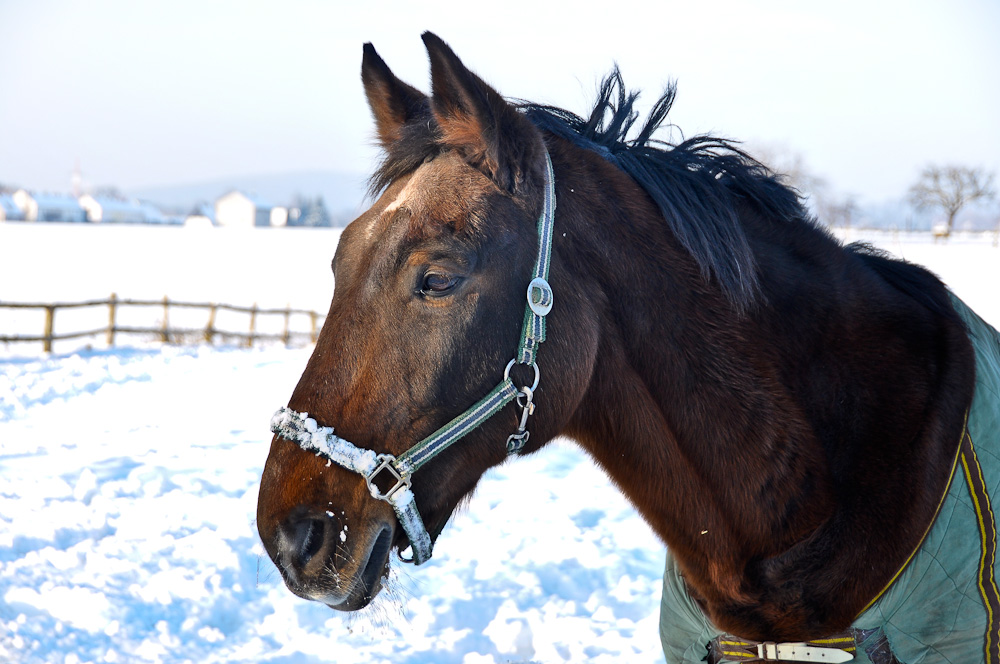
<point x="301" y="429"/>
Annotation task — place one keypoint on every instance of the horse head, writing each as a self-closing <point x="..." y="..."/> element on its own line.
<point x="427" y="312"/>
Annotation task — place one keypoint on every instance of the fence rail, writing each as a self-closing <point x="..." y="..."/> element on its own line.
<point x="164" y="332"/>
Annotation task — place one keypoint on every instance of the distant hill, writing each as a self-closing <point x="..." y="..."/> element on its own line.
<point x="342" y="193"/>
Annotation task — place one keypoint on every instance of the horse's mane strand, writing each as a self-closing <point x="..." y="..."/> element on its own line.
<point x="696" y="183"/>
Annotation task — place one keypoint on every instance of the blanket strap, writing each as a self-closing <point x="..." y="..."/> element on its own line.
<point x="834" y="649"/>
<point x="838" y="648"/>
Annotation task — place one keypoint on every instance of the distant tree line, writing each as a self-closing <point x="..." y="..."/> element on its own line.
<point x="306" y="212"/>
<point x="945" y="189"/>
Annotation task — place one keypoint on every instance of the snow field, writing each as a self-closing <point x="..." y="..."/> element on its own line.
<point x="126" y="533"/>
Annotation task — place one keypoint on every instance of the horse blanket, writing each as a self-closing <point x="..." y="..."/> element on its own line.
<point x="944" y="607"/>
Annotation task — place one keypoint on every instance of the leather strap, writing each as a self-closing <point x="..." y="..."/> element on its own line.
<point x="873" y="641"/>
<point x="839" y="648"/>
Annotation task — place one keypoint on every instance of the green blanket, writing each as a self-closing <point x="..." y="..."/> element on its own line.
<point x="935" y="611"/>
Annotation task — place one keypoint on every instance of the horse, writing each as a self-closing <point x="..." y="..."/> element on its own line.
<point x="787" y="413"/>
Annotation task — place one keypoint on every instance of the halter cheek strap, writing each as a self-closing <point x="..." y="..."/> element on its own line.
<point x="384" y="469"/>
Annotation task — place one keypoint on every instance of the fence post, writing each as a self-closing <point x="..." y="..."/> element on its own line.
<point x="286" y="337"/>
<point x="50" y="314"/>
<point x="210" y="328"/>
<point x="112" y="309"/>
<point x="165" y="330"/>
<point x="312" y="331"/>
<point x="253" y="325"/>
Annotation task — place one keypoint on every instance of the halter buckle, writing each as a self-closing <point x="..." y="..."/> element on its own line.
<point x="540" y="296"/>
<point x="387" y="463"/>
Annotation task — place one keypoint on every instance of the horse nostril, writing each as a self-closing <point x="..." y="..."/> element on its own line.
<point x="309" y="536"/>
<point x="300" y="541"/>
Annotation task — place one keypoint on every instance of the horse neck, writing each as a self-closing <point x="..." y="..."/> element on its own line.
<point x="678" y="390"/>
<point x="738" y="437"/>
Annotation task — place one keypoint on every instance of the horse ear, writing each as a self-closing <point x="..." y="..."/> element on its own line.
<point x="475" y="119"/>
<point x="393" y="102"/>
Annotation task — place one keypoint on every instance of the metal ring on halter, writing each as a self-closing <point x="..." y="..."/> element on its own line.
<point x="534" y="385"/>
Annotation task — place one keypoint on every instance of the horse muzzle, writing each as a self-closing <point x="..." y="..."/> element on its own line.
<point x="321" y="560"/>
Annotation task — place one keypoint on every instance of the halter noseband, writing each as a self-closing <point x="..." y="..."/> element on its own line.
<point x="300" y="428"/>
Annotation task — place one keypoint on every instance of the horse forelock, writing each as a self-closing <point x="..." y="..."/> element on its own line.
<point x="418" y="141"/>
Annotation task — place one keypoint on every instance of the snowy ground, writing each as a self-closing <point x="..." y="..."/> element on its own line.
<point x="128" y="483"/>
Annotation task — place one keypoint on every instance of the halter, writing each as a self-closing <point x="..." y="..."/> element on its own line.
<point x="302" y="429"/>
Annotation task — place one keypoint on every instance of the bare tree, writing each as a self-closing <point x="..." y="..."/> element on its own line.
<point x="791" y="165"/>
<point x="840" y="212"/>
<point x="951" y="188"/>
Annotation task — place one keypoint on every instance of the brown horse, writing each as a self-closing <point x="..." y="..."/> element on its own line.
<point x="782" y="410"/>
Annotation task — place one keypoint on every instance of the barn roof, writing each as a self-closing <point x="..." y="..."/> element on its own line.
<point x="56" y="201"/>
<point x="112" y="204"/>
<point x="203" y="210"/>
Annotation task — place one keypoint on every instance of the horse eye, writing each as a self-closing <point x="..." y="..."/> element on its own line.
<point x="435" y="283"/>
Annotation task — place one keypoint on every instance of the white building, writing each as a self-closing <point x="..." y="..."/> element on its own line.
<point x="49" y="207"/>
<point x="9" y="210"/>
<point x="239" y="210"/>
<point x="109" y="210"/>
<point x="279" y="216"/>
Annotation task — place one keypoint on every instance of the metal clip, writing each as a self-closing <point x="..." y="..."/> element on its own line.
<point x="517" y="441"/>
<point x="528" y="408"/>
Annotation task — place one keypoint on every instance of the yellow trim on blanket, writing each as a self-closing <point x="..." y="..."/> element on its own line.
<point x="842" y="639"/>
<point x="985" y="566"/>
<point x="947" y="488"/>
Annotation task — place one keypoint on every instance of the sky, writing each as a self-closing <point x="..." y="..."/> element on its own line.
<point x="146" y="94"/>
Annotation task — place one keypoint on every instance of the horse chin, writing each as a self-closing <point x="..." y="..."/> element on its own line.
<point x="368" y="580"/>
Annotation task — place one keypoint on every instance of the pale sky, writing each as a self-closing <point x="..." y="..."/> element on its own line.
<point x="154" y="93"/>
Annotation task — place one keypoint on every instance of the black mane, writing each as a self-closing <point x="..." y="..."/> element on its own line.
<point x="696" y="183"/>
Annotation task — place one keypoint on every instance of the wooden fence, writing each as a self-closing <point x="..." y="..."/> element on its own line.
<point x="164" y="332"/>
